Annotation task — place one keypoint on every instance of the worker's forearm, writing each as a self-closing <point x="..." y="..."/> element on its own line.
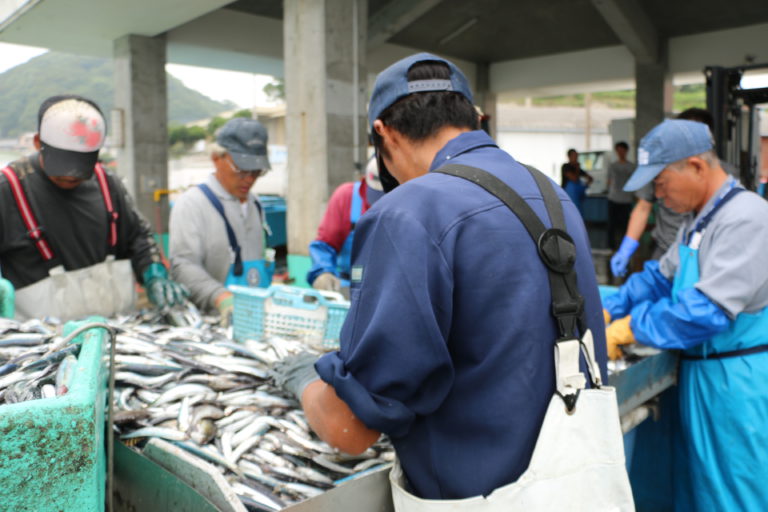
<point x="332" y="419"/>
<point x="639" y="219"/>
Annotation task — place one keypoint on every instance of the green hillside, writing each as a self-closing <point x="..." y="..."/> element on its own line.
<point x="24" y="87"/>
<point x="684" y="96"/>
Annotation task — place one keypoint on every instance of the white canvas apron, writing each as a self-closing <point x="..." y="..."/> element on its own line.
<point x="106" y="289"/>
<point x="577" y="463"/>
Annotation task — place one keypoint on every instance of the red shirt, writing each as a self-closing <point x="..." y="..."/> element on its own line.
<point x="335" y="226"/>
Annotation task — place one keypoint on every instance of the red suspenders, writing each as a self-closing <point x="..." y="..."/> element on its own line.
<point x="101" y="176"/>
<point x="28" y="216"/>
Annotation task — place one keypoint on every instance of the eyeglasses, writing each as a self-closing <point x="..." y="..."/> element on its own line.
<point x="241" y="173"/>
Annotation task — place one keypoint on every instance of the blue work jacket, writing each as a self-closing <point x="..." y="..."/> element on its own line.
<point x="448" y="345"/>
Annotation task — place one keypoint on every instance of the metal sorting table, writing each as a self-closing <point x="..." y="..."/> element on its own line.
<point x="644" y="380"/>
<point x="52" y="449"/>
<point x="163" y="478"/>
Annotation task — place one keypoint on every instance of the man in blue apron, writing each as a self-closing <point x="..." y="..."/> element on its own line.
<point x="217" y="229"/>
<point x="331" y="251"/>
<point x="708" y="297"/>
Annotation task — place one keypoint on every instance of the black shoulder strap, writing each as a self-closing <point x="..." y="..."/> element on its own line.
<point x="555" y="247"/>
<point x="238" y="269"/>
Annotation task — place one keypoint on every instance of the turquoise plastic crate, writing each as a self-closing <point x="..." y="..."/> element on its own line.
<point x="52" y="450"/>
<point x="289" y="312"/>
<point x="7" y="295"/>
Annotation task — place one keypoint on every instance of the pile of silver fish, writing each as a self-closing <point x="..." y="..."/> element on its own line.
<point x="196" y="388"/>
<point x="34" y="362"/>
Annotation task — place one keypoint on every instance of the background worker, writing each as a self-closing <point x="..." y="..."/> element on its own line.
<point x="573" y="165"/>
<point x="707" y="296"/>
<point x="619" y="202"/>
<point x="331" y="251"/>
<point x="667" y="221"/>
<point x="217" y="229"/>
<point x="68" y="229"/>
<point x="448" y="343"/>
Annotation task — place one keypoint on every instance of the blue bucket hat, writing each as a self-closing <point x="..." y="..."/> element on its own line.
<point x="392" y="84"/>
<point x="668" y="142"/>
<point x="246" y="142"/>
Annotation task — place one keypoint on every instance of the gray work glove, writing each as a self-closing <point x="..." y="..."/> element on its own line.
<point x="327" y="281"/>
<point x="294" y="373"/>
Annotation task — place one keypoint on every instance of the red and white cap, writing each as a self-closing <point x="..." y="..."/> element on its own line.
<point x="375" y="190"/>
<point x="72" y="132"/>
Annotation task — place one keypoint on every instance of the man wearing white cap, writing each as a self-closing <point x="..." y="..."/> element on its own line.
<point x="708" y="298"/>
<point x="71" y="240"/>
<point x="331" y="251"/>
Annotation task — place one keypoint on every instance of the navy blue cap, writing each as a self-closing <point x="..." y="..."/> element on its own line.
<point x="246" y="142"/>
<point x="668" y="142"/>
<point x="392" y="84"/>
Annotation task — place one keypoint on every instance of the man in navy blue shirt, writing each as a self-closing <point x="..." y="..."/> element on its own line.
<point x="448" y="344"/>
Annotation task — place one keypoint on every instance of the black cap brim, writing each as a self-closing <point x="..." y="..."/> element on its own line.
<point x="60" y="162"/>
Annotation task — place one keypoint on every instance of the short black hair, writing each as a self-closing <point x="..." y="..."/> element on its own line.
<point x="48" y="103"/>
<point x="421" y="115"/>
<point x="698" y="114"/>
<point x="571" y="151"/>
<point x="622" y="144"/>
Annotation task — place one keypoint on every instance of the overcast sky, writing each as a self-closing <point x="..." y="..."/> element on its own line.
<point x="244" y="89"/>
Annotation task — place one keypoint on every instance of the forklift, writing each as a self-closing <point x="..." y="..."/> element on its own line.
<point x="737" y="120"/>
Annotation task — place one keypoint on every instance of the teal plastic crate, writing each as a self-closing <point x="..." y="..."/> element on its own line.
<point x="52" y="450"/>
<point x="289" y="312"/>
<point x="7" y="297"/>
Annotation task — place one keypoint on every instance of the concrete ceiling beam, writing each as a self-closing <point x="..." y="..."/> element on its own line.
<point x="633" y="27"/>
<point x="394" y="17"/>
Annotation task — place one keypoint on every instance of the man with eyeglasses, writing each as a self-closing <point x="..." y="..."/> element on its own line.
<point x="707" y="297"/>
<point x="217" y="230"/>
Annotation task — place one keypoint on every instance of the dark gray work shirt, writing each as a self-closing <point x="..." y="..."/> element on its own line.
<point x="667" y="221"/>
<point x="75" y="225"/>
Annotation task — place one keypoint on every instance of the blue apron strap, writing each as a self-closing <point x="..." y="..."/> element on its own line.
<point x="356" y="208"/>
<point x="238" y="266"/>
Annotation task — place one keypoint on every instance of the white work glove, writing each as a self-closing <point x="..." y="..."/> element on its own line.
<point x="327" y="281"/>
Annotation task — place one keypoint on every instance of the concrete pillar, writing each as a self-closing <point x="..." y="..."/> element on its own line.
<point x="141" y="95"/>
<point x="485" y="98"/>
<point x="653" y="95"/>
<point x="325" y="84"/>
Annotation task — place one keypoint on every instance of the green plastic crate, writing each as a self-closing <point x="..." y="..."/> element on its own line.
<point x="7" y="297"/>
<point x="52" y="454"/>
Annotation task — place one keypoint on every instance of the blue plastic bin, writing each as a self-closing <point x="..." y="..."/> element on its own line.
<point x="288" y="312"/>
<point x="274" y="210"/>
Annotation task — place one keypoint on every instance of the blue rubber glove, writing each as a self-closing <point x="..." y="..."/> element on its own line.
<point x="691" y="321"/>
<point x="648" y="285"/>
<point x="161" y="290"/>
<point x="620" y="260"/>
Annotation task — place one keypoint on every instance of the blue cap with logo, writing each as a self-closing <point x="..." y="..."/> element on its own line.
<point x="392" y="84"/>
<point x="668" y="142"/>
<point x="246" y="142"/>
